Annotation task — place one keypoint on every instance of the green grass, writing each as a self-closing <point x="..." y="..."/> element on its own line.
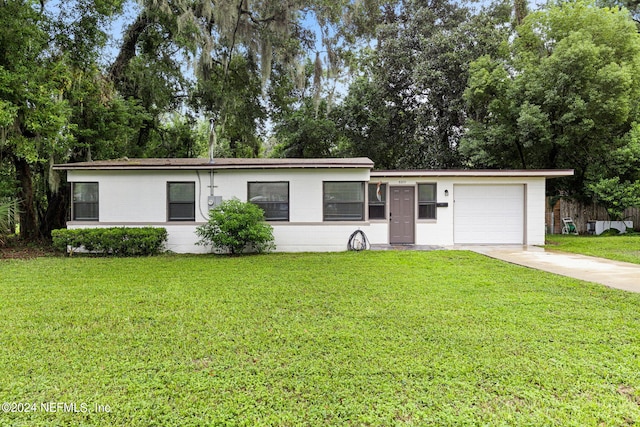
<point x="356" y="339"/>
<point x="620" y="248"/>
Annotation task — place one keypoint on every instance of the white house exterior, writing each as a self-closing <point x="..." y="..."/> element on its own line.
<point x="314" y="204"/>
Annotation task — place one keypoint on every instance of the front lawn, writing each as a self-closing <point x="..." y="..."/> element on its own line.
<point x="620" y="248"/>
<point x="373" y="338"/>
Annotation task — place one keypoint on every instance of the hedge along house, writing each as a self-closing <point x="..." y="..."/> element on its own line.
<point x="314" y="204"/>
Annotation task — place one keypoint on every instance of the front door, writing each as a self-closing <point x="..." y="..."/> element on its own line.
<point x="402" y="215"/>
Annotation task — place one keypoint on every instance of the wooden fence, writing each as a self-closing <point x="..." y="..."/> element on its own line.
<point x="581" y="213"/>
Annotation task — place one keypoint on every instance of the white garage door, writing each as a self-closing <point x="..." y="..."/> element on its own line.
<point x="488" y="214"/>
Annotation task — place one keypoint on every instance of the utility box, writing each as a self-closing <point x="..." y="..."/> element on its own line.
<point x="213" y="201"/>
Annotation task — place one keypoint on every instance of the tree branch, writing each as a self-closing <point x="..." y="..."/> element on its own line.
<point x="128" y="48"/>
<point x="233" y="41"/>
<point x="255" y="20"/>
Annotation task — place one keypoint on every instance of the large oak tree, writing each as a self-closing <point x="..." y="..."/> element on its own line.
<point x="567" y="95"/>
<point x="406" y="109"/>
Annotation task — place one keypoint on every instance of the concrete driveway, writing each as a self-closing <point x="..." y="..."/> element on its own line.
<point x="615" y="274"/>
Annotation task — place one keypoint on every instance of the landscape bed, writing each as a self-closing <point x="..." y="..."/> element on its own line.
<point x="372" y="338"/>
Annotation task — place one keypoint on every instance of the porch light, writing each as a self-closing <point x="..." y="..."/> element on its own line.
<point x="446" y="193"/>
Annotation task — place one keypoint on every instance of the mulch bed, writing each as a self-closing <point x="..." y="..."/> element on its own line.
<point x="19" y="250"/>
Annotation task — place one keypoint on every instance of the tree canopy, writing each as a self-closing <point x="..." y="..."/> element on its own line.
<point x="566" y="95"/>
<point x="406" y="110"/>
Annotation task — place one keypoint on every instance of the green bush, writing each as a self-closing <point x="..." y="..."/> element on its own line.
<point x="4" y="222"/>
<point x="8" y="215"/>
<point x="119" y="241"/>
<point x="236" y="227"/>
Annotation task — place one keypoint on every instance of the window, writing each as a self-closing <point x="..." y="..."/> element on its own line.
<point x="343" y="201"/>
<point x="427" y="201"/>
<point x="377" y="201"/>
<point x="85" y="201"/>
<point x="181" y="201"/>
<point x="272" y="197"/>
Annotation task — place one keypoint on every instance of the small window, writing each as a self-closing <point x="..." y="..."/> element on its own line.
<point x="272" y="197"/>
<point x="377" y="201"/>
<point x="427" y="201"/>
<point x="343" y="201"/>
<point x="181" y="201"/>
<point x="85" y="201"/>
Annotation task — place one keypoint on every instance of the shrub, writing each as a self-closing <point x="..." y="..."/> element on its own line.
<point x="236" y="227"/>
<point x="4" y="222"/>
<point x="616" y="196"/>
<point x="119" y="241"/>
<point x="8" y="214"/>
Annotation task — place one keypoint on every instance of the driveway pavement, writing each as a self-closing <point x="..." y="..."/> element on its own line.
<point x="615" y="274"/>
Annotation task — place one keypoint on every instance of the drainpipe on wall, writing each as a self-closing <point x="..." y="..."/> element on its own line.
<point x="212" y="200"/>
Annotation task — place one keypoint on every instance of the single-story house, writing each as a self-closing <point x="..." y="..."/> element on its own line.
<point x="314" y="204"/>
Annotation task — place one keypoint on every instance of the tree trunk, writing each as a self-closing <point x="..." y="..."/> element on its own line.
<point x="56" y="215"/>
<point x="128" y="48"/>
<point x="523" y="162"/>
<point x="28" y="215"/>
<point x="144" y="135"/>
<point x="520" y="11"/>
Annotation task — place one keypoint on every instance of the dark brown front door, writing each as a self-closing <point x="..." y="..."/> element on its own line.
<point x="401" y="215"/>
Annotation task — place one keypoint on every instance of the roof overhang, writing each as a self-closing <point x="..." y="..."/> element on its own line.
<point x="475" y="173"/>
<point x="261" y="163"/>
<point x="217" y="164"/>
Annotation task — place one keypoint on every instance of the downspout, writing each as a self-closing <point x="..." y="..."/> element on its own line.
<point x="211" y="201"/>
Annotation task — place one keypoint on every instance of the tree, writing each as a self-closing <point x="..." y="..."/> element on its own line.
<point x="306" y="133"/>
<point x="373" y="125"/>
<point x="33" y="112"/>
<point x="149" y="70"/>
<point x="179" y="136"/>
<point x="617" y="186"/>
<point x="105" y="123"/>
<point x="566" y="96"/>
<point x="616" y="196"/>
<point x="233" y="47"/>
<point x="407" y="108"/>
<point x="633" y="6"/>
<point x="52" y="96"/>
<point x="239" y="127"/>
<point x="77" y="27"/>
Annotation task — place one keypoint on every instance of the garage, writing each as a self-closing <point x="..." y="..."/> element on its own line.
<point x="489" y="214"/>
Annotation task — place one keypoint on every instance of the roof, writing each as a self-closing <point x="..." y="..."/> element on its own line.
<point x="492" y="173"/>
<point x="253" y="163"/>
<point x="231" y="163"/>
